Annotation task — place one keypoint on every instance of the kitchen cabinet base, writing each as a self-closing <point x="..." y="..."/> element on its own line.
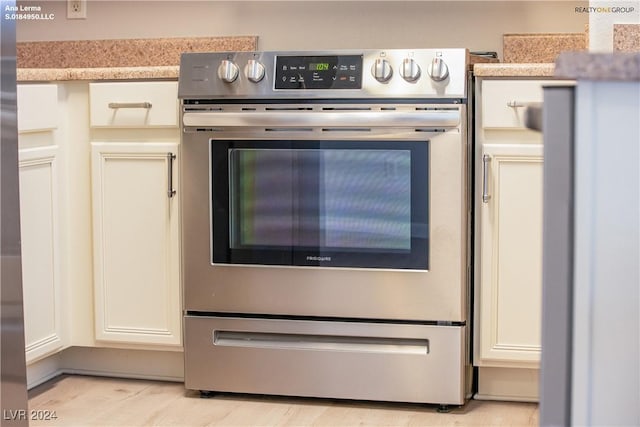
<point x="108" y="362"/>
<point x="508" y="384"/>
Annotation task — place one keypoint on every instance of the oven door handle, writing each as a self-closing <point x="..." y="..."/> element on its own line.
<point x="437" y="118"/>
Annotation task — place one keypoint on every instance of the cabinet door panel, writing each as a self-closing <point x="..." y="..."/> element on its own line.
<point x="511" y="254"/>
<point x="40" y="251"/>
<point x="136" y="244"/>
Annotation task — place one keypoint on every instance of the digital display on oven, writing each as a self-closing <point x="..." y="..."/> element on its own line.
<point x="319" y="72"/>
<point x="320" y="66"/>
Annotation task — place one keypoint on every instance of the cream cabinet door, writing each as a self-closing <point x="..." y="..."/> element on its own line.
<point x="39" y="224"/>
<point x="136" y="246"/>
<point x="510" y="224"/>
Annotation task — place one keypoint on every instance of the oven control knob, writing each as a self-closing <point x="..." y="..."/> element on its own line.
<point x="410" y="70"/>
<point x="254" y="70"/>
<point x="381" y="70"/>
<point x="438" y="70"/>
<point x="228" y="71"/>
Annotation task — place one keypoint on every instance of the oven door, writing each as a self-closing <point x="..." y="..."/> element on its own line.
<point x="266" y="232"/>
<point x="323" y="203"/>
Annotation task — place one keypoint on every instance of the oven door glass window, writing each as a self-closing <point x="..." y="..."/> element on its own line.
<point x="320" y="203"/>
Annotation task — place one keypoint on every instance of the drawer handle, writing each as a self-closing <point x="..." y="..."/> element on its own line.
<point x="312" y="342"/>
<point x="115" y="105"/>
<point x="485" y="178"/>
<point x="516" y="104"/>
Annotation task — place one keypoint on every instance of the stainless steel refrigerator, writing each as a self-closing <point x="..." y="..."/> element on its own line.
<point x="13" y="378"/>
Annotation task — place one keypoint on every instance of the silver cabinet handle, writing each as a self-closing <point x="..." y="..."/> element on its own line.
<point x="170" y="190"/>
<point x="115" y="105"/>
<point x="517" y="104"/>
<point x="485" y="178"/>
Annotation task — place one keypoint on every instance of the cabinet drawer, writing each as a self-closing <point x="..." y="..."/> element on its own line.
<point x="134" y="104"/>
<point x="504" y="101"/>
<point x="37" y="107"/>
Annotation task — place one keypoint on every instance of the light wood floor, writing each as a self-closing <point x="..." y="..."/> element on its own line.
<point x="94" y="401"/>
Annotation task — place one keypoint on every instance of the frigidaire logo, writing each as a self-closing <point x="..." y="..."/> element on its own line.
<point x="318" y="258"/>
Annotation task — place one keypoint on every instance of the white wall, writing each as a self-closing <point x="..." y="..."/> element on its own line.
<point x="290" y="25"/>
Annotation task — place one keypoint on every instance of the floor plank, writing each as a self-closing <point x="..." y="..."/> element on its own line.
<point x="97" y="401"/>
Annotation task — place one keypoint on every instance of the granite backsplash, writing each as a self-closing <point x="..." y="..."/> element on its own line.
<point x="626" y="37"/>
<point x="540" y="48"/>
<point x="123" y="53"/>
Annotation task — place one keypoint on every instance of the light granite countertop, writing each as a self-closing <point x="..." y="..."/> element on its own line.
<point x="514" y="70"/>
<point x="619" y="66"/>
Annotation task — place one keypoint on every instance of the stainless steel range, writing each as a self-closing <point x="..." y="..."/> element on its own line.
<point x="325" y="223"/>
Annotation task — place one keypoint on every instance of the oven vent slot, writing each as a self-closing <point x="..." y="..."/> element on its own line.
<point x="321" y="342"/>
<point x="249" y="108"/>
<point x="437" y="109"/>
<point x="201" y="109"/>
<point x="346" y="108"/>
<point x="346" y="129"/>
<point x="431" y="130"/>
<point x="288" y="109"/>
<point x="193" y="130"/>
<point x="288" y="130"/>
<point x="387" y="108"/>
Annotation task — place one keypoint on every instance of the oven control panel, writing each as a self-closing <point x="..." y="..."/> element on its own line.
<point x="318" y="72"/>
<point x="393" y="73"/>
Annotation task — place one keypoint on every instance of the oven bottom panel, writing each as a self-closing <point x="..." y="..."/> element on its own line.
<point x="350" y="360"/>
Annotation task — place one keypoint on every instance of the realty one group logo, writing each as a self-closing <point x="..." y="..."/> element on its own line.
<point x="604" y="9"/>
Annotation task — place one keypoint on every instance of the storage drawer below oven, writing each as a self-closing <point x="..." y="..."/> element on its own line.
<point x="351" y="360"/>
